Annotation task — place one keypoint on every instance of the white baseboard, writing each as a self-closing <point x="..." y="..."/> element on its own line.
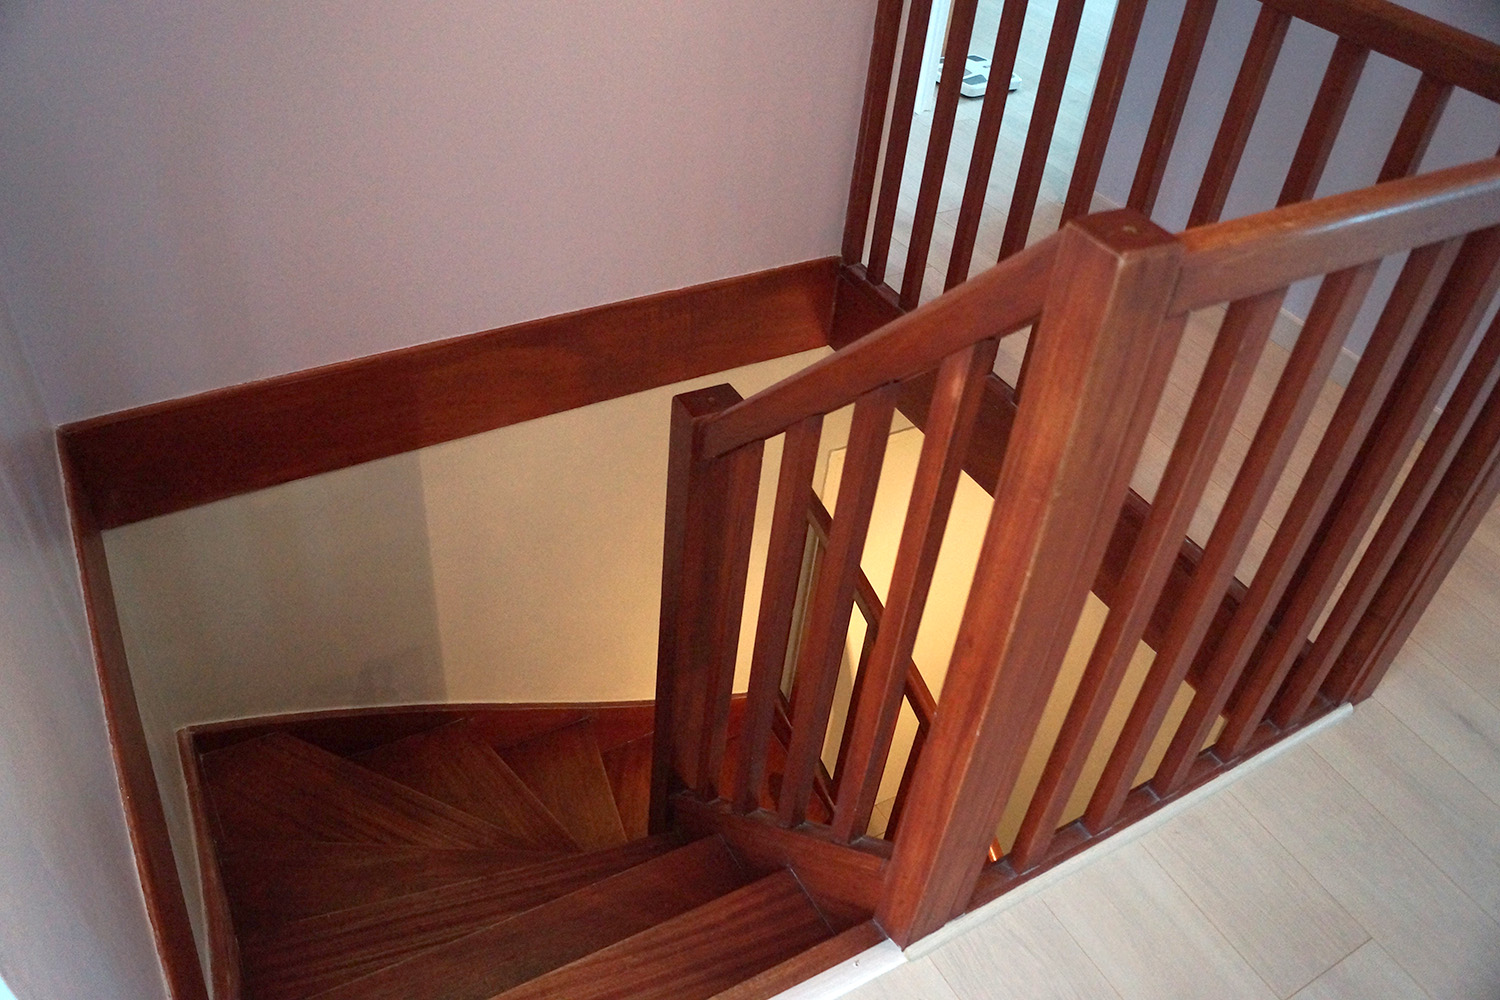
<point x="849" y="975"/>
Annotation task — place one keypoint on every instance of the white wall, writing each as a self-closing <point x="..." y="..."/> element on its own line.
<point x="72" y="918"/>
<point x="196" y="193"/>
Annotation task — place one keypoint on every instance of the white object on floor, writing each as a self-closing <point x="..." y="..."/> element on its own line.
<point x="977" y="76"/>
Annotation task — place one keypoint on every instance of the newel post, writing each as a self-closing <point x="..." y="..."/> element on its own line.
<point x="1100" y="358"/>
<point x="709" y="521"/>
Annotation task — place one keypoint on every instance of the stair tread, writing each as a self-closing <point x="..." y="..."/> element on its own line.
<point x="566" y="771"/>
<point x="802" y="967"/>
<point x="453" y="765"/>
<point x="271" y="883"/>
<point x="628" y="767"/>
<point x="303" y="957"/>
<point x="696" y="955"/>
<point x="551" y="935"/>
<point x="277" y="787"/>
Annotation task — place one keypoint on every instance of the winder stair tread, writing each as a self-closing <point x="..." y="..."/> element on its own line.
<point x="566" y="771"/>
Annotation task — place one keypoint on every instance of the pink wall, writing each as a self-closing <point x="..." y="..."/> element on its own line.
<point x="72" y="920"/>
<point x="195" y="193"/>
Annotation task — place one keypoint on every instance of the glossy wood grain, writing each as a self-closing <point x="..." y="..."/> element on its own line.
<point x="454" y="766"/>
<point x="696" y="955"/>
<point x="628" y="767"/>
<point x="278" y="788"/>
<point x="170" y="456"/>
<point x="549" y="936"/>
<point x="871" y="127"/>
<point x="565" y="771"/>
<point x="1123" y="32"/>
<point x="819" y="958"/>
<point x="1182" y="66"/>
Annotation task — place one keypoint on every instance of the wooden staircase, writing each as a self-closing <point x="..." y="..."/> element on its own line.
<point x="459" y="863"/>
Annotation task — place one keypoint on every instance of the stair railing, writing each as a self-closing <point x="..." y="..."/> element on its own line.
<point x="1447" y="59"/>
<point x="1107" y="300"/>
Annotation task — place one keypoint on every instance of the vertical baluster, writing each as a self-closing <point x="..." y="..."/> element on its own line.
<point x="833" y="598"/>
<point x="1417" y="126"/>
<point x="1335" y="453"/>
<point x="1161" y="134"/>
<point x="1400" y="323"/>
<point x="1441" y="344"/>
<point x="1324" y="121"/>
<point x="1049" y="94"/>
<point x="1100" y="362"/>
<point x="1290" y="405"/>
<point x="939" y="141"/>
<point x="1123" y="32"/>
<point x="987" y="137"/>
<point x="1226" y="377"/>
<point x="897" y="137"/>
<point x="1239" y="116"/>
<point x="950" y="420"/>
<point x="871" y="128"/>
<point x="705" y="560"/>
<point x="1465" y="496"/>
<point x="785" y="550"/>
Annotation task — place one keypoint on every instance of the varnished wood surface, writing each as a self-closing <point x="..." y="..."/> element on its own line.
<point x="303" y="957"/>
<point x="817" y="959"/>
<point x="696" y="955"/>
<point x="551" y="935"/>
<point x="566" y="772"/>
<point x="169" y="456"/>
<point x="628" y="767"/>
<point x="279" y="788"/>
<point x="454" y="765"/>
<point x="223" y="944"/>
<point x="273" y="883"/>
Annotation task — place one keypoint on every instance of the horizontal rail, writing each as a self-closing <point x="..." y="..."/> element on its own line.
<point x="1234" y="260"/>
<point x="1417" y="40"/>
<point x="1002" y="300"/>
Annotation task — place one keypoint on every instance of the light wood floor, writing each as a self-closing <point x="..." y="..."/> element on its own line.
<point x="1362" y="864"/>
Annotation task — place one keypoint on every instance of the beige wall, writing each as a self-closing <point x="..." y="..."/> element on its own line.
<point x="519" y="565"/>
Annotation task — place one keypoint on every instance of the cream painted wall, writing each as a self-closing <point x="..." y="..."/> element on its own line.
<point x="197" y="193"/>
<point x="72" y="918"/>
<point x="519" y="565"/>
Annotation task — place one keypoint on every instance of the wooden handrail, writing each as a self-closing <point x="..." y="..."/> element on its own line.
<point x="1435" y="48"/>
<point x="1004" y="299"/>
<point x="1243" y="257"/>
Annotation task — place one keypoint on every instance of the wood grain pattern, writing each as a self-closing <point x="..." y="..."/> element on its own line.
<point x="696" y="955"/>
<point x="279" y="788"/>
<point x="1182" y="66"/>
<point x="628" y="767"/>
<point x="800" y="968"/>
<point x="546" y="937"/>
<point x="273" y="883"/>
<point x="898" y="134"/>
<point x="455" y="766"/>
<point x="1123" y="32"/>
<point x="169" y="456"/>
<point x="566" y="771"/>
<point x="306" y="956"/>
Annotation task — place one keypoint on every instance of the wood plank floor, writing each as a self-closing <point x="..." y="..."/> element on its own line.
<point x="1362" y="864"/>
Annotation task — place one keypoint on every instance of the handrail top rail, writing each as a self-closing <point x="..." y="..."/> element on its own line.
<point x="1001" y="300"/>
<point x="1232" y="260"/>
<point x="1426" y="44"/>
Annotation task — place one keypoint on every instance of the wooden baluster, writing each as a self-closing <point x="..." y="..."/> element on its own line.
<point x="987" y="137"/>
<point x="1114" y="67"/>
<point x="706" y="555"/>
<point x="1101" y="362"/>
<point x="1441" y="344"/>
<point x="1290" y="405"/>
<point x="1324" y="121"/>
<point x="897" y="137"/>
<point x="1417" y="126"/>
<point x="1462" y="500"/>
<point x="1161" y="134"/>
<point x="1239" y="116"/>
<point x="1049" y="94"/>
<point x="778" y="602"/>
<point x="955" y="62"/>
<point x="1226" y="377"/>
<point x="947" y="430"/>
<point x="833" y="598"/>
<point x="1335" y="453"/>
<point x="1321" y="495"/>
<point x="871" y="128"/>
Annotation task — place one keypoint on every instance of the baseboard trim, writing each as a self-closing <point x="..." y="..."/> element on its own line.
<point x="170" y="456"/>
<point x="849" y="975"/>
